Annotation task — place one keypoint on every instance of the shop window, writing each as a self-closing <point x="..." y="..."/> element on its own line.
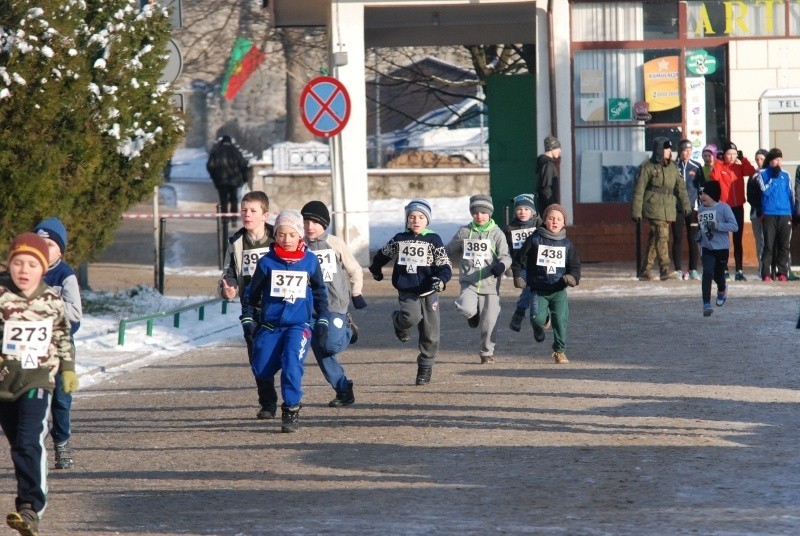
<point x="624" y="21"/>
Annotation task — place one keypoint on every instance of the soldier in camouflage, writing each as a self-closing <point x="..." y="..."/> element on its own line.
<point x="658" y="188"/>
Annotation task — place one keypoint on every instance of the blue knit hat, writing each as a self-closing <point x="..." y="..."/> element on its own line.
<point x="53" y="229"/>
<point x="525" y="200"/>
<point x="419" y="205"/>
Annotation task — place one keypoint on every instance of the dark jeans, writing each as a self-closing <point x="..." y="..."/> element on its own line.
<point x="690" y="224"/>
<point x="228" y="199"/>
<point x="715" y="262"/>
<point x="738" y="213"/>
<point x="60" y="409"/>
<point x="267" y="395"/>
<point x="777" y="239"/>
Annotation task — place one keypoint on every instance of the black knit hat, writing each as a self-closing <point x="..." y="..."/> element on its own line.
<point x="712" y="190"/>
<point x="728" y="145"/>
<point x="318" y="212"/>
<point x="772" y="155"/>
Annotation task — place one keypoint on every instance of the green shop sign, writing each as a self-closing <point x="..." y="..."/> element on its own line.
<point x="619" y="109"/>
<point x="701" y="63"/>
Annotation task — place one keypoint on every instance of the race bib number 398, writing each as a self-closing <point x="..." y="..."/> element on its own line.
<point x="518" y="237"/>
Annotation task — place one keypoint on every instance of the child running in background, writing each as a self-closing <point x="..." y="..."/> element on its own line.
<point x="525" y="221"/>
<point x="716" y="222"/>
<point x="552" y="265"/>
<point x="421" y="271"/>
<point x="36" y="346"/>
<point x="341" y="273"/>
<point x="483" y="252"/>
<point x="61" y="278"/>
<point x="288" y="288"/>
<point x="245" y="248"/>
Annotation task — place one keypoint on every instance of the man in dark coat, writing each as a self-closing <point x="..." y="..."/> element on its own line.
<point x="547" y="174"/>
<point x="228" y="169"/>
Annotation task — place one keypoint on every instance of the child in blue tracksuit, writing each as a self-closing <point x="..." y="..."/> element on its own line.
<point x="716" y="221"/>
<point x="552" y="265"/>
<point x="525" y="222"/>
<point x="61" y="277"/>
<point x="421" y="271"/>
<point x="289" y="288"/>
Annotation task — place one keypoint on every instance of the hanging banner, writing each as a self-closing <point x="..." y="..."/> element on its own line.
<point x="661" y="83"/>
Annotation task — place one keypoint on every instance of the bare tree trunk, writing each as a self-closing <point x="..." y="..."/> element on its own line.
<point x="305" y="55"/>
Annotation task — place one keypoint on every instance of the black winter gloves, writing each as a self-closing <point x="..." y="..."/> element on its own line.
<point x="377" y="274"/>
<point x="497" y="269"/>
<point x="359" y="302"/>
<point x="321" y="331"/>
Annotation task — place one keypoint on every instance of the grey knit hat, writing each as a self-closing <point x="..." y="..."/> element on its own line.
<point x="481" y="203"/>
<point x="550" y="143"/>
<point x="419" y="205"/>
<point x="290" y="218"/>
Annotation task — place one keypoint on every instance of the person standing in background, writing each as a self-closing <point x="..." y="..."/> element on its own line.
<point x="547" y="173"/>
<point x="228" y="169"/>
<point x="777" y="203"/>
<point x="730" y="172"/>
<point x="754" y="199"/>
<point x="693" y="180"/>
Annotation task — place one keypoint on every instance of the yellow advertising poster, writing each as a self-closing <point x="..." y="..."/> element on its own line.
<point x="661" y="84"/>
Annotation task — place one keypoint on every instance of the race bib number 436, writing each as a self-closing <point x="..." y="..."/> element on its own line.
<point x="551" y="257"/>
<point x="411" y="255"/>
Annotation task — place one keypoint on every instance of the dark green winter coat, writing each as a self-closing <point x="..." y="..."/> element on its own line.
<point x="658" y="187"/>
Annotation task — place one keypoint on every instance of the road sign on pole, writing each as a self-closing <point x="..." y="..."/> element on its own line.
<point x="325" y="106"/>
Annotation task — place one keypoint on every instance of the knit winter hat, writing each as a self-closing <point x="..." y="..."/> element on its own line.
<point x="318" y="212"/>
<point x="728" y="145"/>
<point x="550" y="143"/>
<point x="290" y="218"/>
<point x="481" y="203"/>
<point x="53" y="229"/>
<point x="31" y="244"/>
<point x="419" y="205"/>
<point x="772" y="155"/>
<point x="553" y="207"/>
<point x="711" y="148"/>
<point x="712" y="190"/>
<point x="525" y="200"/>
<point x="684" y="144"/>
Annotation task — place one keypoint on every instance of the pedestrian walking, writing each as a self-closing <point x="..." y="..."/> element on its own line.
<point x="228" y="169"/>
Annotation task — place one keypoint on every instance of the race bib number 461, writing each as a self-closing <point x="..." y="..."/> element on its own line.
<point x="551" y="257"/>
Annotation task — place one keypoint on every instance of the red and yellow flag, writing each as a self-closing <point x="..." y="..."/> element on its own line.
<point x="245" y="58"/>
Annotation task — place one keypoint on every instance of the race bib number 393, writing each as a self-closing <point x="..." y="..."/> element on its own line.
<point x="288" y="284"/>
<point x="551" y="257"/>
<point x="28" y="340"/>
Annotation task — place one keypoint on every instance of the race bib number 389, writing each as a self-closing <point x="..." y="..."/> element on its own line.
<point x="551" y="257"/>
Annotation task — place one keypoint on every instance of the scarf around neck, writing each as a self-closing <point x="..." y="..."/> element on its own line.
<point x="290" y="256"/>
<point x="561" y="235"/>
<point x="482" y="228"/>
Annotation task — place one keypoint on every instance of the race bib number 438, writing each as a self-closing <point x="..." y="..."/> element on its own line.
<point x="551" y="257"/>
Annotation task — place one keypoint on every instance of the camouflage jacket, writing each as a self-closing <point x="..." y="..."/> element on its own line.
<point x="44" y="305"/>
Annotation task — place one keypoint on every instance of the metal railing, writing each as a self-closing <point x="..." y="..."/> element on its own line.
<point x="176" y="314"/>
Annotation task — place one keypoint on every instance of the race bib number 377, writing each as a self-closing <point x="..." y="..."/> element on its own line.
<point x="288" y="285"/>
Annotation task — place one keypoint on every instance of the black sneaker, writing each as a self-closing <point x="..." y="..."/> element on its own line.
<point x="474" y="320"/>
<point x="343" y="399"/>
<point x="64" y="455"/>
<point x="267" y="412"/>
<point x="538" y="333"/>
<point x="25" y="520"/>
<point x="289" y="418"/>
<point x="516" y="321"/>
<point x="353" y="329"/>
<point x="423" y="374"/>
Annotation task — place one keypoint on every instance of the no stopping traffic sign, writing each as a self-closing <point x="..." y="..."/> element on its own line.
<point x="325" y="106"/>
